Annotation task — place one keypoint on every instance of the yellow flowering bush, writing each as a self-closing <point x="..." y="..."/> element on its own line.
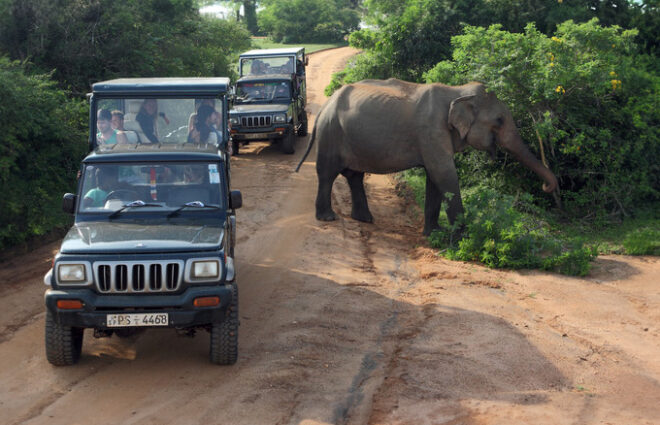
<point x="582" y="96"/>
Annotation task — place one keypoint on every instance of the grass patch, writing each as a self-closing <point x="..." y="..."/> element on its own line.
<point x="267" y="43"/>
<point x="639" y="235"/>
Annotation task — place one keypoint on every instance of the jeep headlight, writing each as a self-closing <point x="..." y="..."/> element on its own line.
<point x="205" y="269"/>
<point x="71" y="273"/>
<point x="233" y="121"/>
<point x="279" y="118"/>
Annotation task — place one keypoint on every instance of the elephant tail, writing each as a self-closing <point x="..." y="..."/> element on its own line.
<point x="309" y="148"/>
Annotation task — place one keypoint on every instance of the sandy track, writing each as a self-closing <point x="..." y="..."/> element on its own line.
<point x="353" y="323"/>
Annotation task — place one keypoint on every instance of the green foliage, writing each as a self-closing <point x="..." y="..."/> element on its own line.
<point x="318" y="21"/>
<point x="84" y="42"/>
<point x="581" y="99"/>
<point x="501" y="232"/>
<point x="643" y="242"/>
<point x="43" y="140"/>
<point x="415" y="34"/>
<point x="363" y="66"/>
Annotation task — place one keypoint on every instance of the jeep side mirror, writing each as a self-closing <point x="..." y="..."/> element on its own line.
<point x="69" y="203"/>
<point x="236" y="199"/>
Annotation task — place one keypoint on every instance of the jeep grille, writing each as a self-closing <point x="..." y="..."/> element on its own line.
<point x="260" y="121"/>
<point x="121" y="277"/>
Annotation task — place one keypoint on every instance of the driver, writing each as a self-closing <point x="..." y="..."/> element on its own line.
<point x="105" y="183"/>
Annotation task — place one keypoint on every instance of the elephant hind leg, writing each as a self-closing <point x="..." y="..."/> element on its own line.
<point x="360" y="210"/>
<point x="323" y="197"/>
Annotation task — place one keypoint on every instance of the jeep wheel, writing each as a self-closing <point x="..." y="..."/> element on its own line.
<point x="234" y="147"/>
<point x="224" y="335"/>
<point x="63" y="343"/>
<point x="302" y="131"/>
<point x="288" y="142"/>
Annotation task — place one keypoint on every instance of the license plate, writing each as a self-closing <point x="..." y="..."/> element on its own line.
<point x="252" y="136"/>
<point x="136" y="319"/>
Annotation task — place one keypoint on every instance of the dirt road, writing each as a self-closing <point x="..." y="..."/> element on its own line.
<point x="353" y="323"/>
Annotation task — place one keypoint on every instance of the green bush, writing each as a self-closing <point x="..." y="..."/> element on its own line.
<point x="501" y="231"/>
<point x="43" y="140"/>
<point x="582" y="99"/>
<point x="642" y="242"/>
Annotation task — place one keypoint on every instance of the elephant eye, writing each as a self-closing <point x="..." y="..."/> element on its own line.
<point x="499" y="122"/>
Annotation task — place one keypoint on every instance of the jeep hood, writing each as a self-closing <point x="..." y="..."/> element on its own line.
<point x="258" y="108"/>
<point x="121" y="238"/>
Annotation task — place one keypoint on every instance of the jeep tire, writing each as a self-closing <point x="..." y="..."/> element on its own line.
<point x="302" y="131"/>
<point x="224" y="335"/>
<point x="63" y="343"/>
<point x="235" y="145"/>
<point x="288" y="141"/>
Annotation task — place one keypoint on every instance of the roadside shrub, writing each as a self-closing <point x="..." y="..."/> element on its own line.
<point x="43" y="140"/>
<point x="582" y="100"/>
<point x="642" y="242"/>
<point x="501" y="231"/>
<point x="363" y="66"/>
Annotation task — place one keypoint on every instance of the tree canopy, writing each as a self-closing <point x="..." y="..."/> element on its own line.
<point x="84" y="42"/>
<point x="296" y="21"/>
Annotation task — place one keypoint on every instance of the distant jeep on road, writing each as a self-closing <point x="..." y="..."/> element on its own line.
<point x="269" y="98"/>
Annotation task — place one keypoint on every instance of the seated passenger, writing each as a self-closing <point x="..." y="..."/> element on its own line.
<point x="147" y="117"/>
<point x="216" y="121"/>
<point x="204" y="131"/>
<point x="258" y="67"/>
<point x="118" y="120"/>
<point x="118" y="124"/>
<point x="194" y="174"/>
<point x="105" y="183"/>
<point x="281" y="91"/>
<point x="107" y="135"/>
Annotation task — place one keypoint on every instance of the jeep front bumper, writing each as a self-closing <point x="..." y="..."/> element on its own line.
<point x="276" y="133"/>
<point x="180" y="308"/>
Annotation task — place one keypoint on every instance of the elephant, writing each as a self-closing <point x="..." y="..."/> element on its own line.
<point x="386" y="126"/>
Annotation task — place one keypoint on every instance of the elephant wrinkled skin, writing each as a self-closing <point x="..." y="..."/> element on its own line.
<point x="382" y="127"/>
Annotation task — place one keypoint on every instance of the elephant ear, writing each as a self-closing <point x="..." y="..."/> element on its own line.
<point x="461" y="114"/>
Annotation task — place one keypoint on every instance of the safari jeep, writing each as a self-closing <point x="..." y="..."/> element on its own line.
<point x="269" y="98"/>
<point x="152" y="245"/>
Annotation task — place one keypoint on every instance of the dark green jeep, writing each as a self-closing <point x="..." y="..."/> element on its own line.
<point x="270" y="97"/>
<point x="153" y="240"/>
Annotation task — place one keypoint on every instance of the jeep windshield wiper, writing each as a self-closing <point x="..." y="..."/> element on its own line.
<point x="193" y="204"/>
<point x="134" y="204"/>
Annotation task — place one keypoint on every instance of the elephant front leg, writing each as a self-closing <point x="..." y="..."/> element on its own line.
<point x="432" y="204"/>
<point x="438" y="187"/>
<point x="360" y="209"/>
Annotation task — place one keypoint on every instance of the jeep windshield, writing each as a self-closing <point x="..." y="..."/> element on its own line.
<point x="147" y="187"/>
<point x="157" y="121"/>
<point x="268" y="65"/>
<point x="256" y="91"/>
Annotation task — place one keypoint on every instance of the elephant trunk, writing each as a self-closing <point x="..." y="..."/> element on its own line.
<point x="527" y="158"/>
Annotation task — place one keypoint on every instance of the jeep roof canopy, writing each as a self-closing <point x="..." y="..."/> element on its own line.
<point x="162" y="87"/>
<point x="289" y="51"/>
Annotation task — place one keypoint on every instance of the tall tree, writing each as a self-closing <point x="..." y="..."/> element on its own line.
<point x="84" y="41"/>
